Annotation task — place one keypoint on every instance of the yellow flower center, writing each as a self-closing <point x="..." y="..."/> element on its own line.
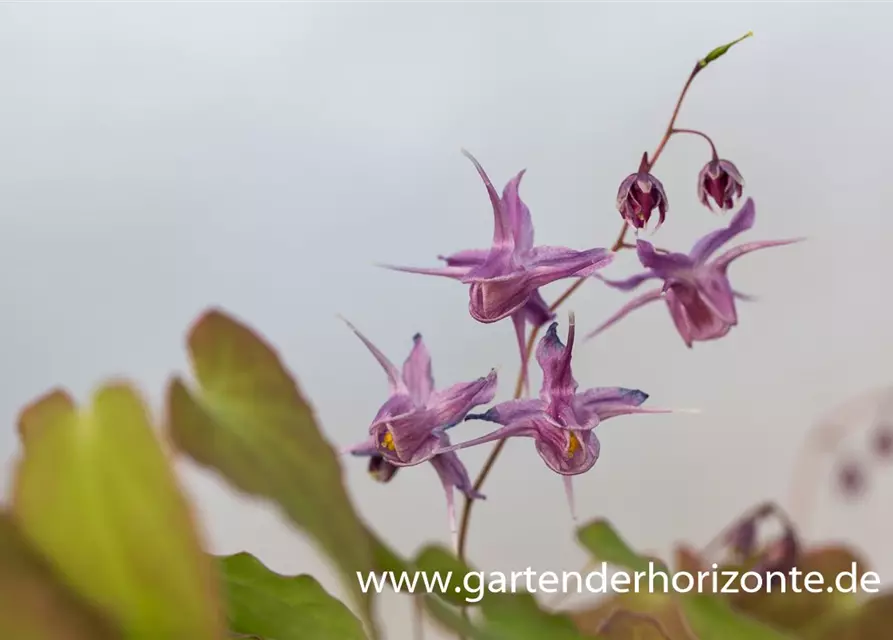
<point x="572" y="444"/>
<point x="388" y="441"/>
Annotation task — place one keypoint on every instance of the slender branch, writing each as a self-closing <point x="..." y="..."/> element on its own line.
<point x="618" y="245"/>
<point x="695" y="132"/>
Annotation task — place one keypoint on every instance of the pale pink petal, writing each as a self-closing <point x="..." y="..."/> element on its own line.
<point x="417" y="372"/>
<point x="626" y="309"/>
<point x="722" y="262"/>
<point x="518" y="214"/>
<point x="709" y="244"/>
<point x="395" y="381"/>
<point x="450" y="406"/>
<point x="502" y="226"/>
<point x="466" y="258"/>
<point x="662" y="263"/>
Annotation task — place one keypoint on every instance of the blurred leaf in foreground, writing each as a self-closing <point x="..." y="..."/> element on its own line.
<point x="706" y="617"/>
<point x="33" y="605"/>
<point x="871" y="619"/>
<point x="95" y="494"/>
<point x="625" y="625"/>
<point x="797" y="612"/>
<point x="249" y="421"/>
<point x="283" y="607"/>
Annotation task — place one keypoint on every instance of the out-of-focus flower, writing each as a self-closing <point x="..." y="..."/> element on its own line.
<point x="882" y="441"/>
<point x="851" y="479"/>
<point x="411" y="425"/>
<point x="781" y="554"/>
<point x="696" y="286"/>
<point x="504" y="279"/>
<point x="561" y="421"/>
<point x="639" y="195"/>
<point x="720" y="180"/>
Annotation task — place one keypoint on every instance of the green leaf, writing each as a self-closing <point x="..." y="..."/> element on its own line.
<point x="249" y="421"/>
<point x="518" y="617"/>
<point x="461" y="591"/>
<point x="606" y="545"/>
<point x="721" y="50"/>
<point x="33" y="604"/>
<point x="95" y="494"/>
<point x="712" y="619"/>
<point x="626" y="625"/>
<point x="271" y="605"/>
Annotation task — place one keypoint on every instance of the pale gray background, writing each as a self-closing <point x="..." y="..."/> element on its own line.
<point x="157" y="159"/>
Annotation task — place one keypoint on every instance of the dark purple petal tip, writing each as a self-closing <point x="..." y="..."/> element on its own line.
<point x="488" y="416"/>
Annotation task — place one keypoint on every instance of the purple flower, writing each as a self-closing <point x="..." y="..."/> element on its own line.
<point x="696" y="288"/>
<point x="411" y="425"/>
<point x="639" y="194"/>
<point x="562" y="420"/>
<point x="504" y="279"/>
<point x="882" y="441"/>
<point x="720" y="180"/>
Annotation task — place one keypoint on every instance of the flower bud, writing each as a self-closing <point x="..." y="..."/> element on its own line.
<point x="882" y="442"/>
<point x="851" y="479"/>
<point x="639" y="195"/>
<point x="380" y="469"/>
<point x="720" y="180"/>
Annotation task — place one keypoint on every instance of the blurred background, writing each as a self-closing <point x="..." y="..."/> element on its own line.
<point x="156" y="159"/>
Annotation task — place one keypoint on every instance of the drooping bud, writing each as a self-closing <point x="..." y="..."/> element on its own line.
<point x="639" y="195"/>
<point x="882" y="442"/>
<point x="781" y="554"/>
<point x="380" y="469"/>
<point x="851" y="479"/>
<point x="721" y="181"/>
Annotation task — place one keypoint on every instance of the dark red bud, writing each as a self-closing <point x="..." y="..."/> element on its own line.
<point x="639" y="195"/>
<point x="851" y="479"/>
<point x="720" y="181"/>
<point x="882" y="442"/>
<point x="381" y="470"/>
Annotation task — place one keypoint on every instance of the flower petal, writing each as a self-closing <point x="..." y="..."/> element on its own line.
<point x="716" y="292"/>
<point x="466" y="258"/>
<point x="519" y="322"/>
<point x="626" y="309"/>
<point x="664" y="264"/>
<point x="397" y="405"/>
<point x="592" y="399"/>
<point x="494" y="299"/>
<point x="722" y="261"/>
<point x="395" y="381"/>
<point x="456" y="273"/>
<point x="518" y="215"/>
<point x="450" y="406"/>
<point x="630" y="283"/>
<point x="536" y="310"/>
<point x="511" y="411"/>
<point x="516" y="430"/>
<point x="554" y="359"/>
<point x="568" y="452"/>
<point x="368" y="447"/>
<point x="709" y="244"/>
<point x="452" y="474"/>
<point x="502" y="225"/>
<point x="417" y="372"/>
<point x="548" y="264"/>
<point x="695" y="320"/>
<point x="414" y="438"/>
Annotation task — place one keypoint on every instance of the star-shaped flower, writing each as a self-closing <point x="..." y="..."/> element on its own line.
<point x="696" y="286"/>
<point x="504" y="280"/>
<point x="410" y="427"/>
<point x="561" y="421"/>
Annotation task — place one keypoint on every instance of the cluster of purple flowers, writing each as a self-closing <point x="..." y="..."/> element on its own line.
<point x="412" y="425"/>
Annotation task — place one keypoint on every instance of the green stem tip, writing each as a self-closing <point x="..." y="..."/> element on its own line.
<point x="721" y="50"/>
